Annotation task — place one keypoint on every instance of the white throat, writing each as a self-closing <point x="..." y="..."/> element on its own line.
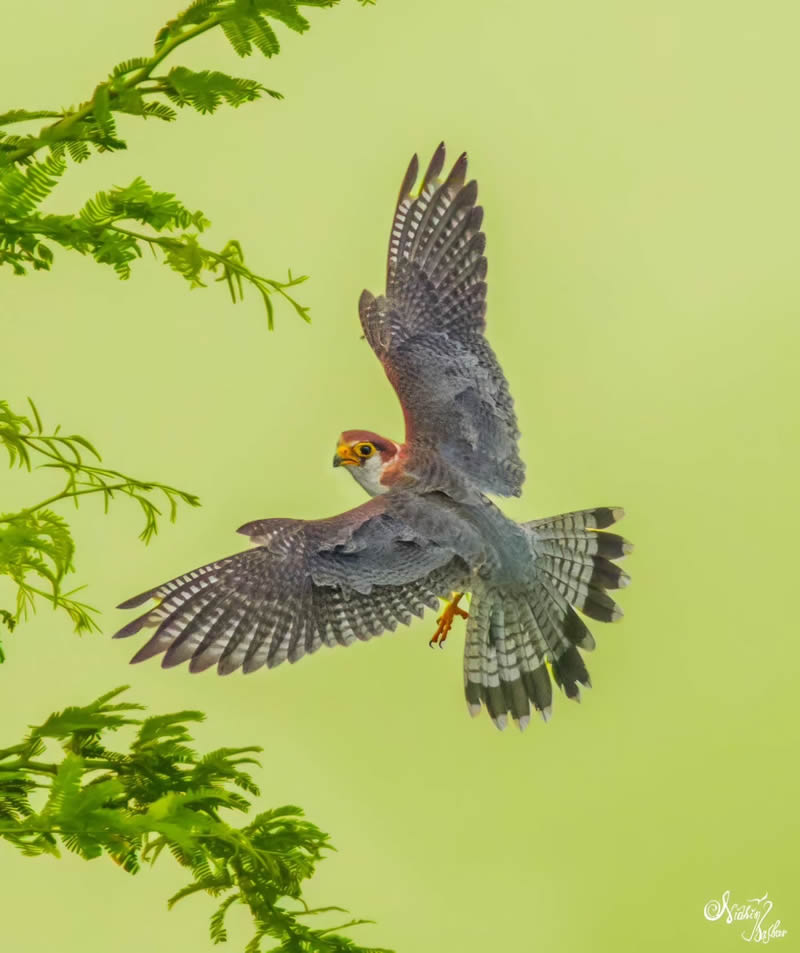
<point x="369" y="475"/>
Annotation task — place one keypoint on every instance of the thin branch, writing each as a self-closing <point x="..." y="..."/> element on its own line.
<point x="60" y="129"/>
<point x="66" y="494"/>
<point x="266" y="286"/>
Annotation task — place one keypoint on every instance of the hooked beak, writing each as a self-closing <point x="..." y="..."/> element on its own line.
<point x="345" y="456"/>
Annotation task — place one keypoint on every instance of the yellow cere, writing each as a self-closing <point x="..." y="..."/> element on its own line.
<point x="347" y="455"/>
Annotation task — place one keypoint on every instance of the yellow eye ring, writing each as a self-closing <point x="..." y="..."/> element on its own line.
<point x="365" y="450"/>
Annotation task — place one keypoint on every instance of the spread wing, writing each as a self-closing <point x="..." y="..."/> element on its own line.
<point x="306" y="583"/>
<point x="428" y="331"/>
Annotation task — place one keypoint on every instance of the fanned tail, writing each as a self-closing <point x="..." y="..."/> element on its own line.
<point x="517" y="636"/>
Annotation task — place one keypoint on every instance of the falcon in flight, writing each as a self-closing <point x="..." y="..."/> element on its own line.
<point x="429" y="530"/>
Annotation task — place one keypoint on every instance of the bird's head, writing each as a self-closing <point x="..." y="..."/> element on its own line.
<point x="366" y="455"/>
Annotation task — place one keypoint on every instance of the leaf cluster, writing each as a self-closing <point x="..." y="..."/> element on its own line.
<point x="139" y="87"/>
<point x="161" y="797"/>
<point x="36" y="545"/>
<point x="98" y="230"/>
<point x="136" y="88"/>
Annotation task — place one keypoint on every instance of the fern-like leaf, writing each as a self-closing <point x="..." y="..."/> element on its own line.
<point x="286" y="11"/>
<point x="129" y="66"/>
<point x="217" y="924"/>
<point x="78" y="150"/>
<point x="236" y="34"/>
<point x="139" y="804"/>
<point x="262" y="36"/>
<point x="21" y="192"/>
<point x="206" y="90"/>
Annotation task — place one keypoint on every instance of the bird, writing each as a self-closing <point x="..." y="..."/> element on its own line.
<point x="429" y="530"/>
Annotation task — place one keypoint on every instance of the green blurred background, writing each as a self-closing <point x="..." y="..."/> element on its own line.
<point x="639" y="169"/>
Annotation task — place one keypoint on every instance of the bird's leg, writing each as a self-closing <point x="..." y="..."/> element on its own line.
<point x="445" y="620"/>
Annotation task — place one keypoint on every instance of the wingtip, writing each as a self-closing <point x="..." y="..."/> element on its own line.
<point x="253" y="529"/>
<point x="410" y="178"/>
<point x="434" y="166"/>
<point x="134" y="626"/>
<point x="150" y="649"/>
<point x="135" y="601"/>
<point x="458" y="173"/>
<point x="365" y="300"/>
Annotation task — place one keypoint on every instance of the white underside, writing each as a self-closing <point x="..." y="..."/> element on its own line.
<point x="368" y="475"/>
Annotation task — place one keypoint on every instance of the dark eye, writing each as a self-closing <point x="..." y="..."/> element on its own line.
<point x="365" y="449"/>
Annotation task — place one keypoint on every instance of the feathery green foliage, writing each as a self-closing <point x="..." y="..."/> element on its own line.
<point x="160" y="794"/>
<point x="137" y="87"/>
<point x="36" y="544"/>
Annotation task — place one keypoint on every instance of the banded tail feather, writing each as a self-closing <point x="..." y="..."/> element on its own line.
<point x="519" y="637"/>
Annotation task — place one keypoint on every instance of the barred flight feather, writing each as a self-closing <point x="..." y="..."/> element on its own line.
<point x="260" y="607"/>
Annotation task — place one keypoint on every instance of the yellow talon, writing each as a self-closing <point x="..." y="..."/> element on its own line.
<point x="445" y="620"/>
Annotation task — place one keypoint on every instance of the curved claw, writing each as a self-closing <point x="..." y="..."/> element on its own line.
<point x="445" y="620"/>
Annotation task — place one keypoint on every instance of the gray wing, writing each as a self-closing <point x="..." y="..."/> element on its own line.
<point x="306" y="583"/>
<point x="428" y="331"/>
